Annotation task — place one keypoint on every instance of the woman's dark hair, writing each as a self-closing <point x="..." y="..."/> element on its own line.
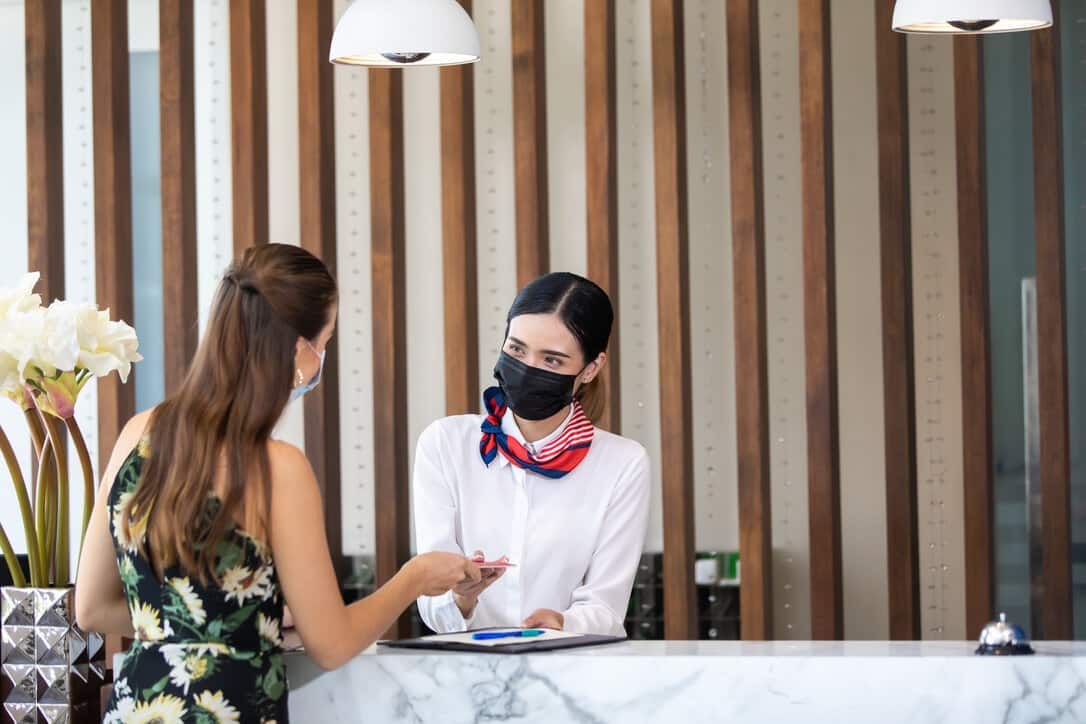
<point x="586" y="311"/>
<point x="234" y="392"/>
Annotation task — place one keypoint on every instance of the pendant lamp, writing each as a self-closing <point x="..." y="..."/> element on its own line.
<point x="399" y="33"/>
<point x="971" y="17"/>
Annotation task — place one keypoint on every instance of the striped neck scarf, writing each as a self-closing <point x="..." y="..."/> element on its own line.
<point x="557" y="458"/>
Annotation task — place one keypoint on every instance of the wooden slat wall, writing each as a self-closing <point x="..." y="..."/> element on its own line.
<point x="899" y="378"/>
<point x="669" y="121"/>
<point x="179" y="273"/>
<point x="112" y="209"/>
<point x="823" y="456"/>
<point x="751" y="355"/>
<point x="601" y="180"/>
<point x="976" y="366"/>
<point x="459" y="239"/>
<point x="317" y="176"/>
<point x="389" y="324"/>
<point x="45" y="147"/>
<point x="1056" y="614"/>
<point x="249" y="108"/>
<point x="530" y="140"/>
<point x="112" y="199"/>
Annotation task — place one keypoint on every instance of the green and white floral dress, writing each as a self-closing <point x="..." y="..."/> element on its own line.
<point x="202" y="654"/>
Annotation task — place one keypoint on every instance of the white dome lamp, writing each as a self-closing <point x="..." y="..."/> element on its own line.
<point x="971" y="17"/>
<point x="399" y="33"/>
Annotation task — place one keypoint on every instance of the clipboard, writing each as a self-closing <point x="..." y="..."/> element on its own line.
<point x="461" y="642"/>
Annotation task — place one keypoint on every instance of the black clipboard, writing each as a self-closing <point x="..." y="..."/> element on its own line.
<point x="525" y="647"/>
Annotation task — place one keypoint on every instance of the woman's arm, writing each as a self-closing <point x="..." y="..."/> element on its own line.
<point x="100" y="603"/>
<point x="599" y="603"/>
<point x="332" y="632"/>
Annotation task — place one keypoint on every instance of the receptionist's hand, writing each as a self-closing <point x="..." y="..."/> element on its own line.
<point x="545" y="618"/>
<point x="466" y="594"/>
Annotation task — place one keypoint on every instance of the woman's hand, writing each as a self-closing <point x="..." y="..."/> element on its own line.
<point x="466" y="594"/>
<point x="545" y="618"/>
<point x="437" y="572"/>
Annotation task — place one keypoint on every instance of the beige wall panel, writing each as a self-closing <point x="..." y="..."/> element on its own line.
<point x="637" y="243"/>
<point x="567" y="206"/>
<point x="937" y="325"/>
<point x="711" y="317"/>
<point x="355" y="328"/>
<point x="494" y="185"/>
<point x="425" y="283"/>
<point x="784" y="302"/>
<point x="859" y="321"/>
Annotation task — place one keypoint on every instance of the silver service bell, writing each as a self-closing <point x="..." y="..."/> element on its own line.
<point x="1002" y="638"/>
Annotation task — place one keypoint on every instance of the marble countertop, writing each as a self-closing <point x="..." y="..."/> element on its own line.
<point x="695" y="681"/>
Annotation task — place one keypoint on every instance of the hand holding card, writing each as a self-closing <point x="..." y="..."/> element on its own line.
<point x="467" y="593"/>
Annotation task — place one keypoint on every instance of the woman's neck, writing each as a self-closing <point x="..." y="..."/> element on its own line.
<point x="536" y="430"/>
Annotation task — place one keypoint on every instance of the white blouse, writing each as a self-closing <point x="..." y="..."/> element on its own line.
<point x="576" y="541"/>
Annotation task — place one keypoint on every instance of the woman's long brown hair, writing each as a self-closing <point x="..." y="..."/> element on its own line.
<point x="233" y="395"/>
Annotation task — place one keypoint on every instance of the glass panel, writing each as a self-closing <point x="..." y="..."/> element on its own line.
<point x="1072" y="27"/>
<point x="1009" y="159"/>
<point x="147" y="226"/>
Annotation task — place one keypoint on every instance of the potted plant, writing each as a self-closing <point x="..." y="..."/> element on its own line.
<point x="51" y="668"/>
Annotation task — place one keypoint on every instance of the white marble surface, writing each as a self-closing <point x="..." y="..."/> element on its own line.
<point x="700" y="682"/>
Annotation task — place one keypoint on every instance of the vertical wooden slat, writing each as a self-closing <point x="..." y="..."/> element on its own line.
<point x="899" y="379"/>
<point x="823" y="455"/>
<point x="112" y="209"/>
<point x="751" y="355"/>
<point x="459" y="260"/>
<point x="1056" y="614"/>
<point x="530" y="140"/>
<point x="317" y="175"/>
<point x="44" y="147"/>
<point x="249" y="108"/>
<point x="975" y="342"/>
<point x="389" y="323"/>
<point x="112" y="198"/>
<point x="601" y="179"/>
<point x="672" y="249"/>
<point x="179" y="275"/>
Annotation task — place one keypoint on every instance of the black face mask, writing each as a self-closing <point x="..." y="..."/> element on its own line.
<point x="533" y="393"/>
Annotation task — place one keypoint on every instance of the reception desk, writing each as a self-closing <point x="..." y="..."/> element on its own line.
<point x="699" y="681"/>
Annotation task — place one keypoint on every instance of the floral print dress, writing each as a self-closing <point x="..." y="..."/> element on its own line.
<point x="206" y="655"/>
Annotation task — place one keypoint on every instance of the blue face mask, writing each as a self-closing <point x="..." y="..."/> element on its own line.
<point x="300" y="390"/>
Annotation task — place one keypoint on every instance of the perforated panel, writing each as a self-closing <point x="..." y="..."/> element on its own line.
<point x="355" y="308"/>
<point x="784" y="302"/>
<point x="937" y="325"/>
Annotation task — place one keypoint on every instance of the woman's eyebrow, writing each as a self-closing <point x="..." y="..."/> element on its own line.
<point x="553" y="352"/>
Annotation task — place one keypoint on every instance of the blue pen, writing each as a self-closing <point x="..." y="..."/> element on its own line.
<point x="488" y="635"/>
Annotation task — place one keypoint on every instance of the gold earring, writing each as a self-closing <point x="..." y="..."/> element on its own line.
<point x="299" y="378"/>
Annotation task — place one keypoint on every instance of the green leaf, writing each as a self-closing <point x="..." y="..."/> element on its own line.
<point x="274" y="684"/>
<point x="150" y="693"/>
<point x="229" y="555"/>
<point x="237" y="618"/>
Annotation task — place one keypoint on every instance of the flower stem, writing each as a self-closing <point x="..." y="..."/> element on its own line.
<point x="41" y="501"/>
<point x="12" y="560"/>
<point x="60" y="449"/>
<point x="37" y="434"/>
<point x="88" y="476"/>
<point x="24" y="506"/>
<point x="46" y="506"/>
